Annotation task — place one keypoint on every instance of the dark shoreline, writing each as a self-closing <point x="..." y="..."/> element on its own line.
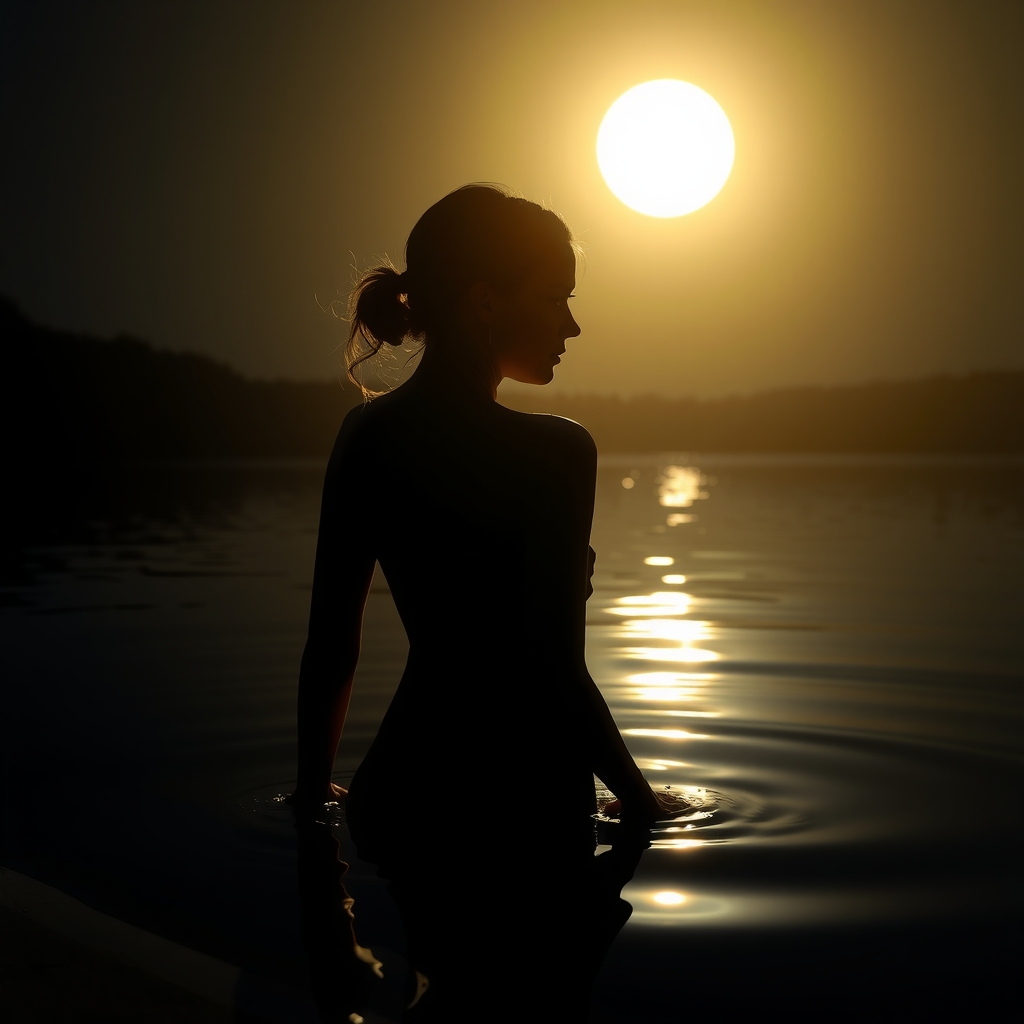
<point x="71" y="400"/>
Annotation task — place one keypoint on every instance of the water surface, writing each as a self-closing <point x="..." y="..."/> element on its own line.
<point x="826" y="655"/>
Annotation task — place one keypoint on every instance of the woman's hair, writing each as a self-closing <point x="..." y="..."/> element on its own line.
<point x="476" y="233"/>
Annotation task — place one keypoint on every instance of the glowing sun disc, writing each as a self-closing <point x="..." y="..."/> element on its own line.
<point x="665" y="148"/>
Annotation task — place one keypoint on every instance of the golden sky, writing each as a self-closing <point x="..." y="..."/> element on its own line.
<point x="202" y="175"/>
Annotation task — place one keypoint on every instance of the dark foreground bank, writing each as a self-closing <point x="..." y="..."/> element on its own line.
<point x="46" y="978"/>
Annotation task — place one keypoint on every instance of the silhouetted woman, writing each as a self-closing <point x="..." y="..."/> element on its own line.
<point x="475" y="799"/>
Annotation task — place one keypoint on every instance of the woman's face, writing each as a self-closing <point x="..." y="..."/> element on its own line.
<point x="529" y="332"/>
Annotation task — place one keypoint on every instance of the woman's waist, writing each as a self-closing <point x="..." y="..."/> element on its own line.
<point x="469" y="657"/>
<point x="451" y="699"/>
<point x="411" y="774"/>
<point x="415" y="751"/>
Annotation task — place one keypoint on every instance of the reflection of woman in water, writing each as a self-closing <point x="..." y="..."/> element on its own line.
<point x="480" y="519"/>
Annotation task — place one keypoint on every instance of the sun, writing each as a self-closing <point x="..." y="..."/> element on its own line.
<point x="665" y="148"/>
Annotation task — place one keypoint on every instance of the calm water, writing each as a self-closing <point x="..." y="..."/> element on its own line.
<point x="827" y="655"/>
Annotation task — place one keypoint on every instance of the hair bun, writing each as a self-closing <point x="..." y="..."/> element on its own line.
<point x="377" y="312"/>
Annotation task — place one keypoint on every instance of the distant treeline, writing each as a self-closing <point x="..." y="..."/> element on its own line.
<point x="89" y="399"/>
<point x="970" y="413"/>
<point x="84" y="399"/>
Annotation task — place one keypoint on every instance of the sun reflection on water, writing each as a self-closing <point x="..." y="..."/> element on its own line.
<point x="656" y="628"/>
<point x="678" y="637"/>
<point x="667" y="734"/>
<point x="681" y="654"/>
<point x="661" y="765"/>
<point x="654" y="617"/>
<point x="695" y="681"/>
<point x="666" y="694"/>
<point x="666" y="687"/>
<point x="679" y="519"/>
<point x="680" y="486"/>
<point x="665" y="602"/>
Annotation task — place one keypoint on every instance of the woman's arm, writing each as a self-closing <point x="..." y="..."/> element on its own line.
<point x="611" y="759"/>
<point x="341" y="580"/>
<point x="613" y="764"/>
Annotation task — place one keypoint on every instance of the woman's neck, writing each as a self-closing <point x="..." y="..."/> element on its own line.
<point x="445" y="371"/>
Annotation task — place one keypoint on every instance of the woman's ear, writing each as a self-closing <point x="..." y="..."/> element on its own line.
<point x="482" y="302"/>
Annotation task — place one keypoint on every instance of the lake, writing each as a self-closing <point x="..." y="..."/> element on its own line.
<point x="824" y="654"/>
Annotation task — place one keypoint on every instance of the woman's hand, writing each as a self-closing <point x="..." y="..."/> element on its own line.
<point x="648" y="808"/>
<point x="671" y="804"/>
<point x="306" y="805"/>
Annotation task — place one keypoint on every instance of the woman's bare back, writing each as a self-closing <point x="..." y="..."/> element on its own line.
<point x="480" y="520"/>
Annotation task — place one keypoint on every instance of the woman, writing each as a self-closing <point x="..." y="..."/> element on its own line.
<point x="480" y="519"/>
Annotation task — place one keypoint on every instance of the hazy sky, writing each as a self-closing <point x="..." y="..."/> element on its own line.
<point x="204" y="174"/>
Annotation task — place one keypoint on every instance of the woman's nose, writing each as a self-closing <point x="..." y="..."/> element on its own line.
<point x="574" y="328"/>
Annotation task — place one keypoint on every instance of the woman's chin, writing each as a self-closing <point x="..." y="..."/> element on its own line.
<point x="535" y="375"/>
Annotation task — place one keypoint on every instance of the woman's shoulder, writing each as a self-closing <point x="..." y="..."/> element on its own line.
<point x="355" y="437"/>
<point x="366" y="418"/>
<point x="559" y="431"/>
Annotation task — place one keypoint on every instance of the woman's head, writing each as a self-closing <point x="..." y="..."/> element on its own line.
<point x="479" y="261"/>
